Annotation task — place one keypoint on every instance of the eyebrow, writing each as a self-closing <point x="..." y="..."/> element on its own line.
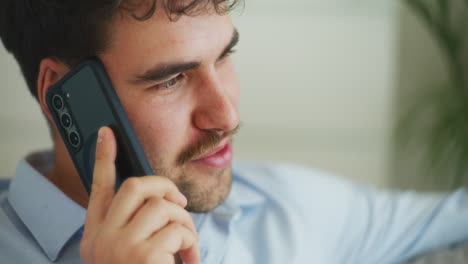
<point x="231" y="45"/>
<point x="162" y="71"/>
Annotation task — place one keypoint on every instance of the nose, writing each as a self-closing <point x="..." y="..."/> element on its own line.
<point x="217" y="105"/>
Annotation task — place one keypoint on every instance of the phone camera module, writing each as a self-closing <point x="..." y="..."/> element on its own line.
<point x="57" y="102"/>
<point x="66" y="120"/>
<point x="74" y="139"/>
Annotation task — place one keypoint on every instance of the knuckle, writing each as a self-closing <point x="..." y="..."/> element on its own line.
<point x="97" y="184"/>
<point x="163" y="179"/>
<point x="166" y="182"/>
<point x="179" y="213"/>
<point x="132" y="185"/>
<point x="187" y="237"/>
<point x="187" y="219"/>
<point x="99" y="156"/>
<point x="177" y="228"/>
<point x="159" y="206"/>
<point x="157" y="203"/>
<point x="191" y="239"/>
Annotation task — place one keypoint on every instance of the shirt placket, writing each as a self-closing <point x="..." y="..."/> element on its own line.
<point x="215" y="233"/>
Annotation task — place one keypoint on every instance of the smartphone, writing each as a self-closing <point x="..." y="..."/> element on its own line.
<point x="83" y="101"/>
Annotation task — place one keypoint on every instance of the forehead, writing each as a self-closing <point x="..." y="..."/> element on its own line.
<point x="158" y="39"/>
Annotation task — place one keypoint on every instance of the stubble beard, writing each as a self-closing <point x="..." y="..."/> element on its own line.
<point x="205" y="196"/>
<point x="204" y="189"/>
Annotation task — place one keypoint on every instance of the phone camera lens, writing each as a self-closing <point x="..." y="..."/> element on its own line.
<point x="57" y="102"/>
<point x="74" y="139"/>
<point x="66" y="121"/>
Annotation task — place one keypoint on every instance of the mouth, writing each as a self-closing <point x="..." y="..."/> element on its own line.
<point x="219" y="157"/>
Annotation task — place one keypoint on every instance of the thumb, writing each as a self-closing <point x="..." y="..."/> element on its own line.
<point x="102" y="190"/>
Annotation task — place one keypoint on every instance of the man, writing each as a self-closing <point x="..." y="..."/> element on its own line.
<point x="170" y="66"/>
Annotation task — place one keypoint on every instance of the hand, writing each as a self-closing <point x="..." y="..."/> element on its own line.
<point x="144" y="222"/>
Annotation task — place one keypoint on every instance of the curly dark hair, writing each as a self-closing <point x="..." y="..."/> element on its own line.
<point x="71" y="30"/>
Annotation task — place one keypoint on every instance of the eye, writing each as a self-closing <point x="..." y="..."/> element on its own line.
<point x="169" y="84"/>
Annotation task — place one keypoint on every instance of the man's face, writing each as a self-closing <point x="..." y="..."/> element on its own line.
<point x="177" y="84"/>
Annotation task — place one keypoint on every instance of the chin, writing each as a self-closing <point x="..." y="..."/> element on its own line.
<point x="205" y="190"/>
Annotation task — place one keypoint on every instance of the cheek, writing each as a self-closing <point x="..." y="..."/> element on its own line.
<point x="160" y="127"/>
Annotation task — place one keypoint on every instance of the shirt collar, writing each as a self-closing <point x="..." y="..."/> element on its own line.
<point x="51" y="217"/>
<point x="244" y="193"/>
<point x="242" y="196"/>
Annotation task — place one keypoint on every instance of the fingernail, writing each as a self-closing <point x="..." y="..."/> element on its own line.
<point x="101" y="135"/>
<point x="182" y="200"/>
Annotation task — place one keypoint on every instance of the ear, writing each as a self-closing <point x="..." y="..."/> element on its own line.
<point x="50" y="72"/>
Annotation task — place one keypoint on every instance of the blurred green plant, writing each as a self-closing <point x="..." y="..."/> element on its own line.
<point x="440" y="119"/>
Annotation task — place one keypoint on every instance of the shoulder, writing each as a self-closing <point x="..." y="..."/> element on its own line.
<point x="11" y="240"/>
<point x="16" y="242"/>
<point x="17" y="245"/>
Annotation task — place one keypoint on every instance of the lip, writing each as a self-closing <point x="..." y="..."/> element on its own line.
<point x="218" y="158"/>
<point x="213" y="151"/>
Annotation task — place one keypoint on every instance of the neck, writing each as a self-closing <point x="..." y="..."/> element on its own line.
<point x="65" y="177"/>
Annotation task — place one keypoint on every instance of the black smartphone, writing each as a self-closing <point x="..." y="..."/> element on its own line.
<point x="83" y="101"/>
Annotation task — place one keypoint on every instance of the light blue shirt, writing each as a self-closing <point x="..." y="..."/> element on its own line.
<point x="274" y="214"/>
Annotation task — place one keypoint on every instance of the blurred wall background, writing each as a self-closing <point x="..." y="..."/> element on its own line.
<point x="317" y="82"/>
<point x="321" y="82"/>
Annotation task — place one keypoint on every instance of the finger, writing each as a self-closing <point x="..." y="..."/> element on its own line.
<point x="154" y="215"/>
<point x="102" y="190"/>
<point x="174" y="238"/>
<point x="135" y="191"/>
<point x="190" y="255"/>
